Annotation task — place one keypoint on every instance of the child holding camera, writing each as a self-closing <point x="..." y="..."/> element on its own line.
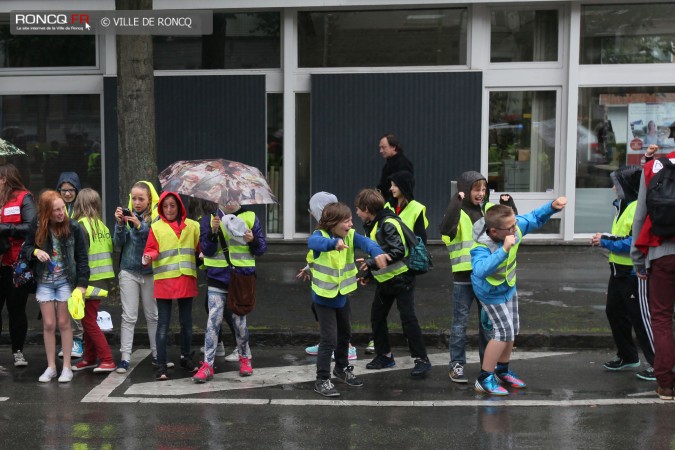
<point x="136" y="285"/>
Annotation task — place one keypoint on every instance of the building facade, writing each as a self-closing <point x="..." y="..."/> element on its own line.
<point x="545" y="98"/>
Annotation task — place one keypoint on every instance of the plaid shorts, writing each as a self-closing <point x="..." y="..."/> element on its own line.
<point x="504" y="318"/>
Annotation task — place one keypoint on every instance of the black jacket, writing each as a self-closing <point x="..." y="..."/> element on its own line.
<point x="389" y="240"/>
<point x="74" y="251"/>
<point x="396" y="163"/>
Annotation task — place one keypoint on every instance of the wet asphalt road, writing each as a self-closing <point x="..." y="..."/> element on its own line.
<point x="570" y="402"/>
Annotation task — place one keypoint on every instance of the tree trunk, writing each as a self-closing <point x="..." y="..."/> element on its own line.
<point x="135" y="106"/>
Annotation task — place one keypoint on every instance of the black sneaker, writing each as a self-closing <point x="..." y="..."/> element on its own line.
<point x="381" y="362"/>
<point x="347" y="376"/>
<point x="160" y="374"/>
<point x="619" y="363"/>
<point x="187" y="364"/>
<point x="325" y="388"/>
<point x="422" y="366"/>
<point x="647" y="374"/>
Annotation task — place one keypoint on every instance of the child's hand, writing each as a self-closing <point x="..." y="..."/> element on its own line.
<point x="134" y="221"/>
<point x="509" y="241"/>
<point x="363" y="266"/>
<point x="303" y="275"/>
<point x="651" y="150"/>
<point x="215" y="223"/>
<point x="146" y="260"/>
<point x="119" y="217"/>
<point x="248" y="236"/>
<point x="505" y="198"/>
<point x="382" y="260"/>
<point x="42" y="255"/>
<point x="460" y="195"/>
<point x="559" y="203"/>
<point x="595" y="240"/>
<point x="340" y="245"/>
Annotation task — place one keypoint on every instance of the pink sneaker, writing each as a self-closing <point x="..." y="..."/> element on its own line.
<point x="245" y="368"/>
<point x="204" y="374"/>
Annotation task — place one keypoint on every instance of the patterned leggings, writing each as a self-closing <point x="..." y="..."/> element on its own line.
<point x="216" y="301"/>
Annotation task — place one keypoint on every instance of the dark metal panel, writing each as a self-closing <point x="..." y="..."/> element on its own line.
<point x="197" y="117"/>
<point x="437" y="117"/>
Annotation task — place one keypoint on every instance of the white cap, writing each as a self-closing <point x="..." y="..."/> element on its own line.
<point x="319" y="201"/>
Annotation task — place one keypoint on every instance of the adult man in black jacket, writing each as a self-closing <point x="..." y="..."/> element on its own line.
<point x="392" y="152"/>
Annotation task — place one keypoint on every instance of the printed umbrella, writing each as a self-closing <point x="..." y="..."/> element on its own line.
<point x="218" y="180"/>
<point x="9" y="149"/>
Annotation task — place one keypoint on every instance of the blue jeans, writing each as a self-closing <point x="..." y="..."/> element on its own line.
<point x="164" y="320"/>
<point x="462" y="299"/>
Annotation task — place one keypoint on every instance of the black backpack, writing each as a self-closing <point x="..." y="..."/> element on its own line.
<point x="661" y="200"/>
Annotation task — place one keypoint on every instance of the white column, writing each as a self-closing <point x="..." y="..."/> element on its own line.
<point x="569" y="121"/>
<point x="289" y="65"/>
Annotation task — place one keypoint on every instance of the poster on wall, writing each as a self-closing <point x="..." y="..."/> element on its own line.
<point x="649" y="123"/>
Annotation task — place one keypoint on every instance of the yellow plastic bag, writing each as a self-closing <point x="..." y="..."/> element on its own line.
<point x="76" y="304"/>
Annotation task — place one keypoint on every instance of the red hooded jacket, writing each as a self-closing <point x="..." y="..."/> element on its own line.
<point x="183" y="286"/>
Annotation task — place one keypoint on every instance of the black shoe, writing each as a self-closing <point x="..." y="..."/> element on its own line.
<point x="381" y="362"/>
<point x="347" y="376"/>
<point x="647" y="374"/>
<point x="187" y="364"/>
<point x="325" y="388"/>
<point x="619" y="363"/>
<point x="422" y="366"/>
<point x="160" y="374"/>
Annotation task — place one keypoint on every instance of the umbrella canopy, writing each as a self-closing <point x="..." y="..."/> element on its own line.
<point x="218" y="180"/>
<point x="9" y="149"/>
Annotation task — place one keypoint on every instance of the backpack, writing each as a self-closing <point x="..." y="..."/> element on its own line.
<point x="419" y="259"/>
<point x="661" y="200"/>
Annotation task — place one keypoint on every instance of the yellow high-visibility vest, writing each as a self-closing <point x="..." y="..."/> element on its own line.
<point x="335" y="272"/>
<point x="399" y="267"/>
<point x="100" y="250"/>
<point x="240" y="255"/>
<point x="411" y="212"/>
<point x="176" y="256"/>
<point x="460" y="247"/>
<point x="622" y="227"/>
<point x="506" y="271"/>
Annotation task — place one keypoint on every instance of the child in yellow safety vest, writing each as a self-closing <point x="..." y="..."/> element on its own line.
<point x="333" y="277"/>
<point x="411" y="212"/>
<point x="627" y="305"/>
<point x="172" y="247"/>
<point x="87" y="211"/>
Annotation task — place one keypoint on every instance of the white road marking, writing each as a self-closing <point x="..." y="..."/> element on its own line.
<point x="4" y="399"/>
<point x="157" y="393"/>
<point x="274" y="376"/>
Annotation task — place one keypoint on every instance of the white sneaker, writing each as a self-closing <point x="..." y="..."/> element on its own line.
<point x="19" y="359"/>
<point x="232" y="357"/>
<point x="66" y="375"/>
<point x="48" y="375"/>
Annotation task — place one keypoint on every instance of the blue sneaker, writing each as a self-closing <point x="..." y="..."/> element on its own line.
<point x="510" y="379"/>
<point x="122" y="366"/>
<point x="351" y="355"/>
<point x="490" y="386"/>
<point x="381" y="362"/>
<point x="77" y="350"/>
<point x="619" y="363"/>
<point x="312" y="350"/>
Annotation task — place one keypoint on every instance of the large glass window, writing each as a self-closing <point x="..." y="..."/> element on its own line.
<point x="429" y="37"/>
<point x="275" y="153"/>
<point x="58" y="133"/>
<point x="17" y="51"/>
<point x="523" y="35"/>
<point x="627" y="34"/>
<point x="239" y="41"/>
<point x="522" y="138"/>
<point x="615" y="126"/>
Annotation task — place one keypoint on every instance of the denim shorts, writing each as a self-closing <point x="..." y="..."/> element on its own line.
<point x="58" y="290"/>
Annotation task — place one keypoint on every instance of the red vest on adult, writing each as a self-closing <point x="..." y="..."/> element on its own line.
<point x="11" y="213"/>
<point x="646" y="238"/>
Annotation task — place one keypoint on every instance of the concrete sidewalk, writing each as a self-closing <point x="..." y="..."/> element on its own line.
<point x="561" y="294"/>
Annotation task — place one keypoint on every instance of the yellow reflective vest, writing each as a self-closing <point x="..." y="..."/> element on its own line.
<point x="622" y="227"/>
<point x="399" y="267"/>
<point x="240" y="255"/>
<point x="100" y="250"/>
<point x="506" y="271"/>
<point x="176" y="256"/>
<point x="335" y="272"/>
<point x="411" y="213"/>
<point x="460" y="247"/>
